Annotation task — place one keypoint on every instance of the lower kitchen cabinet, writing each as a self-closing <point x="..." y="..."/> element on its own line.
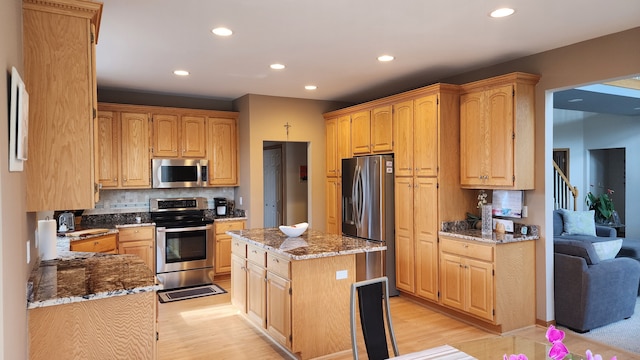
<point x="494" y="282"/>
<point x="102" y="244"/>
<point x="307" y="318"/>
<point x="223" y="244"/>
<point x="138" y="241"/>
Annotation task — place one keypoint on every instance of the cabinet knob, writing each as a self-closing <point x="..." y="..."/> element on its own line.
<point x="125" y="179"/>
<point x="276" y="260"/>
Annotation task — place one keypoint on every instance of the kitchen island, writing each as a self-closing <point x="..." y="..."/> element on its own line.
<point x="92" y="305"/>
<point x="297" y="290"/>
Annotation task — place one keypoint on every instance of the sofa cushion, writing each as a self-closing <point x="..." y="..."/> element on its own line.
<point x="583" y="249"/>
<point x="607" y="249"/>
<point x="558" y="226"/>
<point x="579" y="222"/>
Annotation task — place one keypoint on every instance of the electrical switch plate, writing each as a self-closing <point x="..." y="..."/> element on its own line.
<point x="341" y="274"/>
<point x="240" y="200"/>
<point x="525" y="211"/>
<point x="28" y="251"/>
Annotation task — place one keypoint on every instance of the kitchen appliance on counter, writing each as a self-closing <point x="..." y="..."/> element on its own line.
<point x="184" y="242"/>
<point x="368" y="213"/>
<point x="179" y="173"/>
<point x="66" y="222"/>
<point x="220" y="204"/>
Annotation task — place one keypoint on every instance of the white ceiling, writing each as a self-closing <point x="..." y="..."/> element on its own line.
<point x="332" y="44"/>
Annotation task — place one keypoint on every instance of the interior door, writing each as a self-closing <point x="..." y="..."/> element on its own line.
<point x="272" y="172"/>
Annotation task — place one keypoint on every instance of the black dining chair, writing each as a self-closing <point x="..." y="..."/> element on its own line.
<point x="373" y="305"/>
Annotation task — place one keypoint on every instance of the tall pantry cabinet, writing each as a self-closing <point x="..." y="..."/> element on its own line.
<point x="426" y="133"/>
<point x="59" y="40"/>
<point x="338" y="147"/>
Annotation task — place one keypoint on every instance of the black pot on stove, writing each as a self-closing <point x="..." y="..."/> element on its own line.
<point x="220" y="206"/>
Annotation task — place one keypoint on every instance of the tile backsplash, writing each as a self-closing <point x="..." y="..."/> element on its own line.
<point x="133" y="201"/>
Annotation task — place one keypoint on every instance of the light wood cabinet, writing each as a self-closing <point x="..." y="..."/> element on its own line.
<point x="333" y="203"/>
<point x="372" y="131"/>
<point x="467" y="277"/>
<point x="222" y="150"/>
<point x="239" y="274"/>
<point x="497" y="132"/>
<point x="494" y="282"/>
<point x="331" y="144"/>
<point x="59" y="40"/>
<point x="405" y="245"/>
<point x="122" y="147"/>
<point x="139" y="241"/>
<point x="338" y="140"/>
<point x="223" y="244"/>
<point x="135" y="150"/>
<point x="181" y="136"/>
<point x="294" y="316"/>
<point x="165" y="135"/>
<point x="108" y="149"/>
<point x="103" y="244"/>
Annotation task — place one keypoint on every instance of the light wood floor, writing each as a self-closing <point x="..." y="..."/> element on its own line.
<point x="211" y="328"/>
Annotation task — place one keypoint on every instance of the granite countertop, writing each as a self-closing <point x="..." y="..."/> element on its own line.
<point x="494" y="238"/>
<point x="461" y="230"/>
<point x="81" y="276"/>
<point x="312" y="244"/>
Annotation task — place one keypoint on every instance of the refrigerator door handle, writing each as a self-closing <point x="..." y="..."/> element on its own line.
<point x="356" y="194"/>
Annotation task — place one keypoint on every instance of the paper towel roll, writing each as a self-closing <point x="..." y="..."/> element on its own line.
<point x="47" y="239"/>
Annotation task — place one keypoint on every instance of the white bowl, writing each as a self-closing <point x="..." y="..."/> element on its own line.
<point x="294" y="230"/>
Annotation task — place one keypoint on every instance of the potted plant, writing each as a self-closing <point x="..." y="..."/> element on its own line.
<point x="603" y="206"/>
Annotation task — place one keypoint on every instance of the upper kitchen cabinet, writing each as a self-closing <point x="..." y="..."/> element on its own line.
<point x="372" y="131"/>
<point x="497" y="132"/>
<point x="338" y="143"/>
<point x="222" y="149"/>
<point x="179" y="136"/>
<point x="122" y="146"/>
<point x="59" y="40"/>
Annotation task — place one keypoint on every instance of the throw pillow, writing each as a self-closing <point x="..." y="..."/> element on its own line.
<point x="607" y="249"/>
<point x="579" y="222"/>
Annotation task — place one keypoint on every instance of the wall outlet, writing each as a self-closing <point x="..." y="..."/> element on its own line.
<point x="525" y="211"/>
<point x="240" y="201"/>
<point x="342" y="274"/>
<point x="28" y="251"/>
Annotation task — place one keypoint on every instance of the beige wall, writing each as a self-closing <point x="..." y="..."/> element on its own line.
<point x="608" y="57"/>
<point x="263" y="118"/>
<point x="14" y="269"/>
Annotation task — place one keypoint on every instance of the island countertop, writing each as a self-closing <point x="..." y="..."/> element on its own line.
<point x="312" y="244"/>
<point x="81" y="276"/>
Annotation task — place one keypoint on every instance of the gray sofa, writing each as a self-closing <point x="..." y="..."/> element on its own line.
<point x="590" y="292"/>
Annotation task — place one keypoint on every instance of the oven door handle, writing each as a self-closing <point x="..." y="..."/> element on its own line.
<point x="195" y="228"/>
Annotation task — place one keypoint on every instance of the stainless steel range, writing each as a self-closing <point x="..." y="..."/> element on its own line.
<point x="184" y="242"/>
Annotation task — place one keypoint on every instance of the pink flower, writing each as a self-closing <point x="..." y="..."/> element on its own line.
<point x="554" y="334"/>
<point x="515" y="357"/>
<point x="591" y="356"/>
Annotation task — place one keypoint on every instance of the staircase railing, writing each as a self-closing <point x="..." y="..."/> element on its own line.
<point x="563" y="191"/>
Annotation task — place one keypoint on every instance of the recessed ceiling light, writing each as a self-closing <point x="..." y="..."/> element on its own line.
<point x="574" y="100"/>
<point x="181" y="72"/>
<point x="277" y="66"/>
<point x="385" y="58"/>
<point x="502" y="12"/>
<point x="222" y="31"/>
<point x="310" y="87"/>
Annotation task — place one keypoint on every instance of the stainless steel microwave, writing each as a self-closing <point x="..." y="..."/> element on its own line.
<point x="179" y="173"/>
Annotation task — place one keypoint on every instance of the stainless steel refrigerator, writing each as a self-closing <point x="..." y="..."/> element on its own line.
<point x="368" y="212"/>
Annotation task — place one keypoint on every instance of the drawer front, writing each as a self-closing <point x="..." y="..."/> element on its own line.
<point x="224" y="226"/>
<point x="103" y="244"/>
<point x="278" y="265"/>
<point x="137" y="233"/>
<point x="256" y="255"/>
<point x="467" y="249"/>
<point x="239" y="248"/>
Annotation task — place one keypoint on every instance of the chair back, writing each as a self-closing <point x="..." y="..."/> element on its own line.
<point x="373" y="305"/>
